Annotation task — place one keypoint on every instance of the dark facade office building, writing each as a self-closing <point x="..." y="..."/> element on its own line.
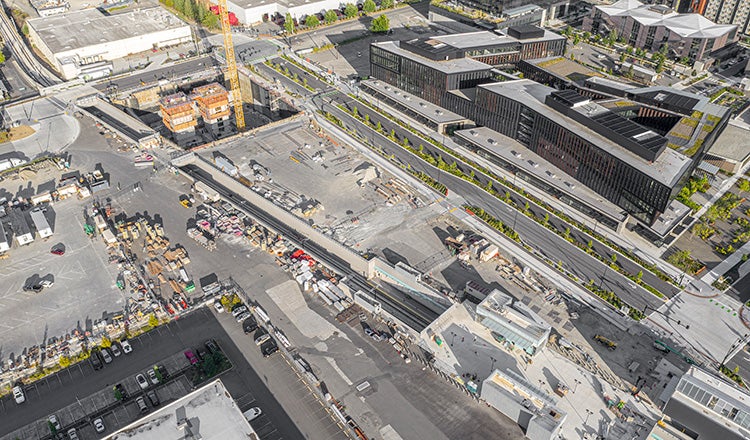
<point x="617" y="148"/>
<point x="406" y="69"/>
<point x="432" y="66"/>
<point x="635" y="148"/>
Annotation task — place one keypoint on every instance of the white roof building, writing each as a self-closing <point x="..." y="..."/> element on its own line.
<point x="75" y="41"/>
<point x="685" y="25"/>
<point x="209" y="412"/>
<point x="255" y="11"/>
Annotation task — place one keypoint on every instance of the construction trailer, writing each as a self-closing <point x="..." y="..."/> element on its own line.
<point x="20" y="227"/>
<point x="41" y="223"/>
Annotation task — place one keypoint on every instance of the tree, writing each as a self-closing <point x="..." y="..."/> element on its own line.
<point x="368" y="7"/>
<point x="153" y="321"/>
<point x="179" y="5"/>
<point x="380" y="24"/>
<point x="638" y="276"/>
<point x="289" y="23"/>
<point x="2" y="56"/>
<point x="367" y="119"/>
<point x="64" y="361"/>
<point x="312" y="21"/>
<point x="379" y="126"/>
<point x="744" y="185"/>
<point x="350" y="10"/>
<point x="386" y="4"/>
<point x="330" y="16"/>
<point x="210" y="21"/>
<point x="106" y="342"/>
<point x="613" y="257"/>
<point x="355" y="112"/>
<point x="566" y="234"/>
<point x="576" y="40"/>
<point x="546" y="219"/>
<point x="189" y="10"/>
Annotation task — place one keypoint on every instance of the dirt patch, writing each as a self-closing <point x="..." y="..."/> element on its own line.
<point x="16" y="133"/>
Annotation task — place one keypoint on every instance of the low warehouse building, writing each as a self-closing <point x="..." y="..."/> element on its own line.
<point x="82" y="43"/>
<point x="255" y="11"/>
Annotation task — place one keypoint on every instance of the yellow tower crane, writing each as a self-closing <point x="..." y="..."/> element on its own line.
<point x="234" y="78"/>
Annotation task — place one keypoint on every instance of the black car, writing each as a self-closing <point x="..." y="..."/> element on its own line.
<point x="249" y="325"/>
<point x="96" y="360"/>
<point x="269" y="347"/>
<point x="153" y="398"/>
<point x="211" y="346"/>
<point x="119" y="389"/>
<point x="201" y="353"/>
<point x="36" y="288"/>
<point x="163" y="371"/>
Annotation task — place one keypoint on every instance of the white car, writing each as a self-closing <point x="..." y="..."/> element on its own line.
<point x="142" y="382"/>
<point x="72" y="434"/>
<point x="219" y="308"/>
<point x="99" y="425"/>
<point x="126" y="348"/>
<point x="18" y="395"/>
<point x="54" y="422"/>
<point x="152" y="376"/>
<point x="252" y="414"/>
<point x="115" y="350"/>
<point x="106" y="356"/>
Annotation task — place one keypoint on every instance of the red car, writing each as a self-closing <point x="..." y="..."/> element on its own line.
<point x="58" y="251"/>
<point x="191" y="357"/>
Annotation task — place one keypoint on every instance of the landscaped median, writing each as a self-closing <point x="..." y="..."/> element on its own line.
<point x="455" y="169"/>
<point x="606" y="295"/>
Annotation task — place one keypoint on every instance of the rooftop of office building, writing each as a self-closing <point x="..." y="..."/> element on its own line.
<point x="667" y="167"/>
<point x="449" y="66"/>
<point x="477" y="40"/>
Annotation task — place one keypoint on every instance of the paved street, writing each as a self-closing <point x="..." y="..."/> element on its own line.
<point x="244" y="383"/>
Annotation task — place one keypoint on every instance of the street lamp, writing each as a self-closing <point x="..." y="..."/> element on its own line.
<point x="588" y="413"/>
<point x="492" y="367"/>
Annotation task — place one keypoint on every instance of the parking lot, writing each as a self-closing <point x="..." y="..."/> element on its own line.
<point x="83" y="291"/>
<point x="79" y="391"/>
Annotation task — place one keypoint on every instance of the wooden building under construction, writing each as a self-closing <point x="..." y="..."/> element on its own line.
<point x="178" y="114"/>
<point x="213" y="105"/>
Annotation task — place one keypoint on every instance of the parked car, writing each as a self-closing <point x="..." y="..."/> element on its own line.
<point x="36" y="288"/>
<point x="121" y="390"/>
<point x="54" y="423"/>
<point x="106" y="356"/>
<point x="163" y="371"/>
<point x="96" y="360"/>
<point x="249" y="325"/>
<point x="72" y="434"/>
<point x="18" y="395"/>
<point x="219" y="308"/>
<point x="126" y="347"/>
<point x="201" y="353"/>
<point x="142" y="382"/>
<point x="152" y="376"/>
<point x="269" y="347"/>
<point x="115" y="349"/>
<point x="57" y="251"/>
<point x="99" y="425"/>
<point x="211" y="346"/>
<point x="252" y="414"/>
<point x="243" y="316"/>
<point x="261" y="336"/>
<point x="141" y="402"/>
<point x="153" y="398"/>
<point x="191" y="357"/>
<point x="238" y="309"/>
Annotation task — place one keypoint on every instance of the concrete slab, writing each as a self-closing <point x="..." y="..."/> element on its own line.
<point x="290" y="300"/>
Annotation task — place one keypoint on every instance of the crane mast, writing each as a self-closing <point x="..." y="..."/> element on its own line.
<point x="234" y="79"/>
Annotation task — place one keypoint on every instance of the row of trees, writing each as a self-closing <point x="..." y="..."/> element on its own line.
<point x="194" y="11"/>
<point x="350" y="11"/>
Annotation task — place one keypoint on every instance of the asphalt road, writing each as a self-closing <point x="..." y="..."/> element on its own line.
<point x="48" y="395"/>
